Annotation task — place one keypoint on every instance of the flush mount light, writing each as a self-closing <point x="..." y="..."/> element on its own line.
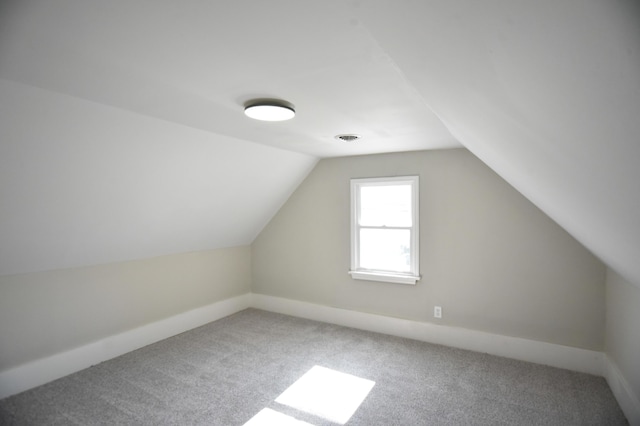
<point x="269" y="110"/>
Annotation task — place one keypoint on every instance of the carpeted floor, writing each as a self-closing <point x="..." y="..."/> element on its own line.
<point x="232" y="371"/>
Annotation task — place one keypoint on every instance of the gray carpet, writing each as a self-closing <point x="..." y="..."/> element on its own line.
<point x="226" y="372"/>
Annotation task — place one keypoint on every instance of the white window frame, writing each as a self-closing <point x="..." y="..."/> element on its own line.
<point x="359" y="273"/>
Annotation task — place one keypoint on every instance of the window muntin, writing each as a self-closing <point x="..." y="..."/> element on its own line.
<point x="384" y="229"/>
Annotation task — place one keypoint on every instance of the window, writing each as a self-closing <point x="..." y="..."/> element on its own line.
<point x="384" y="229"/>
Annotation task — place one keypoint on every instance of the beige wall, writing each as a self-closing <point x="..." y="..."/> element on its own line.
<point x="623" y="328"/>
<point x="491" y="259"/>
<point x="45" y="313"/>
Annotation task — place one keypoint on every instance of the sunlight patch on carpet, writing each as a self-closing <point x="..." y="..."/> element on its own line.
<point x="269" y="417"/>
<point x="327" y="393"/>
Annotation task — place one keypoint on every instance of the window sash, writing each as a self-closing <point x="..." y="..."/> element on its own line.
<point x="381" y="274"/>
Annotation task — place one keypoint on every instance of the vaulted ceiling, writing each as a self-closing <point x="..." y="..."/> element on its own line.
<point x="122" y="134"/>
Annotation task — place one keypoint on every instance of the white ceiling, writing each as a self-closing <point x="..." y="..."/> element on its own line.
<point x="196" y="63"/>
<point x="546" y="93"/>
<point x="82" y="183"/>
<point x="122" y="133"/>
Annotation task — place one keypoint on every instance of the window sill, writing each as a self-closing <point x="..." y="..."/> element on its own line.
<point x="384" y="277"/>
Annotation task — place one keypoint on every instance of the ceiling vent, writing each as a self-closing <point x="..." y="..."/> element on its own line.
<point x="349" y="138"/>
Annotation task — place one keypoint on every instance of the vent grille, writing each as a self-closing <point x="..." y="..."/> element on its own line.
<point x="348" y="138"/>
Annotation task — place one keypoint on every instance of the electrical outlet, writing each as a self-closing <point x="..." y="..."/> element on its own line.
<point x="437" y="312"/>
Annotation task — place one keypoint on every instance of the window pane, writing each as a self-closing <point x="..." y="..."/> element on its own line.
<point x="385" y="205"/>
<point x="385" y="249"/>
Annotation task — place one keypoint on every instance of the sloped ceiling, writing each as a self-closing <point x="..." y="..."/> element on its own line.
<point x="83" y="183"/>
<point x="122" y="133"/>
<point x="546" y="93"/>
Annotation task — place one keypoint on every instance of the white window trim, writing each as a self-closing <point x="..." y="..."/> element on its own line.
<point x="386" y="276"/>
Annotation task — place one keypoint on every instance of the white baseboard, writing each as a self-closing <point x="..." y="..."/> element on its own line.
<point x="44" y="370"/>
<point x="47" y="369"/>
<point x="628" y="400"/>
<point x="560" y="356"/>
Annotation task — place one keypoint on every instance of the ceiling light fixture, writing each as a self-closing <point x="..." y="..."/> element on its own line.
<point x="269" y="110"/>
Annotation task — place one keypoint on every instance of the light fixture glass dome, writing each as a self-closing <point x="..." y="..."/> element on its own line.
<point x="269" y="111"/>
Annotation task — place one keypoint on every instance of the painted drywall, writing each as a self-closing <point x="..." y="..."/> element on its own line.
<point x="45" y="313"/>
<point x="623" y="330"/>
<point x="491" y="259"/>
<point x="86" y="184"/>
<point x="546" y="93"/>
<point x="197" y="62"/>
